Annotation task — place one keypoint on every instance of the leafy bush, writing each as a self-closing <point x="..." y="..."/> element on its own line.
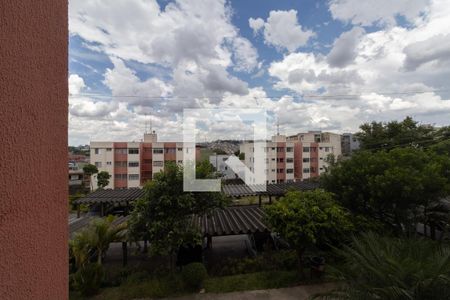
<point x="378" y="267"/>
<point x="194" y="274"/>
<point x="88" y="279"/>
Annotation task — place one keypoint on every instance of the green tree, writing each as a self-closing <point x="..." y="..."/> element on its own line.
<point x="164" y="215"/>
<point x="385" y="268"/>
<point x="395" y="186"/>
<point x="103" y="179"/>
<point x="204" y="169"/>
<point x="385" y="136"/>
<point x="306" y="219"/>
<point x="90" y="170"/>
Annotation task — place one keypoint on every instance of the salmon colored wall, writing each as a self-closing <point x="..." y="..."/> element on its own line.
<point x="281" y="165"/>
<point x="298" y="160"/>
<point x="314" y="156"/>
<point x="33" y="169"/>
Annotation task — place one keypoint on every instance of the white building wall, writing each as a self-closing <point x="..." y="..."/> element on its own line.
<point x="102" y="155"/>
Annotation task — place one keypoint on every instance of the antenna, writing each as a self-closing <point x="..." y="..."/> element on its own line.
<point x="278" y="126"/>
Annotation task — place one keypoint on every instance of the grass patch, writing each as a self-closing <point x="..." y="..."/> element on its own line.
<point x="142" y="288"/>
<point x="252" y="281"/>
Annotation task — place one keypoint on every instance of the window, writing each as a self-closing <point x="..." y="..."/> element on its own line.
<point x="306" y="159"/>
<point x="306" y="170"/>
<point x="180" y="149"/>
<point x="98" y="164"/>
<point x="321" y="158"/>
<point x="280" y="160"/>
<point x="305" y="149"/>
<point x="289" y="149"/>
<point x="120" y="163"/>
<point x="289" y="160"/>
<point x="280" y="149"/>
<point x="120" y="151"/>
<point x="97" y="151"/>
<point x="170" y="150"/>
<point x="108" y="149"/>
<point x="158" y="163"/>
<point x="224" y="159"/>
<point x="289" y="171"/>
<point x="290" y="180"/>
<point x="273" y="170"/>
<point x="180" y="161"/>
<point x="120" y="176"/>
<point x="327" y="149"/>
<point x="133" y="164"/>
<point x="273" y="148"/>
<point x="133" y="151"/>
<point x="133" y="176"/>
<point x="158" y="150"/>
<point x="108" y="163"/>
<point x="280" y="170"/>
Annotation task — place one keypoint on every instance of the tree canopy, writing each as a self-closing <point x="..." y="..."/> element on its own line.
<point x="379" y="136"/>
<point x="103" y="179"/>
<point x="306" y="219"/>
<point x="163" y="215"/>
<point x="397" y="185"/>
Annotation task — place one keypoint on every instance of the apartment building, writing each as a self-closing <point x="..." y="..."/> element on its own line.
<point x="131" y="164"/>
<point x="297" y="157"/>
<point x="279" y="159"/>
<point x="312" y="150"/>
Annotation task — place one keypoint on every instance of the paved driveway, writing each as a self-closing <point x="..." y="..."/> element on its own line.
<point x="301" y="292"/>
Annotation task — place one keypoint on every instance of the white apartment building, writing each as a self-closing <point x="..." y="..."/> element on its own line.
<point x="297" y="157"/>
<point x="131" y="164"/>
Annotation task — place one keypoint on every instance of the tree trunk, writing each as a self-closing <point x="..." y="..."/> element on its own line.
<point x="300" y="260"/>
<point x="99" y="257"/>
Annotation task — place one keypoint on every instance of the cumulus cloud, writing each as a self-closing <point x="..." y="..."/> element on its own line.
<point x="76" y="84"/>
<point x="344" y="48"/>
<point x="282" y="30"/>
<point x="435" y="49"/>
<point x="379" y="12"/>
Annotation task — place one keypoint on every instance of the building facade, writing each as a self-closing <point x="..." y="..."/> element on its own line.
<point x="132" y="164"/>
<point x="279" y="159"/>
<point x="297" y="157"/>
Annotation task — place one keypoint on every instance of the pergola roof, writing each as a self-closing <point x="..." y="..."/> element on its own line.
<point x="278" y="189"/>
<point x="125" y="196"/>
<point x="232" y="220"/>
<point x="112" y="196"/>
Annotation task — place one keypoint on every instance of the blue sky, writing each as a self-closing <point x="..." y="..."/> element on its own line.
<point x="314" y="65"/>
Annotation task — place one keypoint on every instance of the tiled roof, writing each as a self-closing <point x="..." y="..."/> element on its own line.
<point x="278" y="189"/>
<point x="114" y="196"/>
<point x="231" y="221"/>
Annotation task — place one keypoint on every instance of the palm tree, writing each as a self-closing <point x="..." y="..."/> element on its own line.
<point x="102" y="233"/>
<point x="96" y="236"/>
<point x="392" y="268"/>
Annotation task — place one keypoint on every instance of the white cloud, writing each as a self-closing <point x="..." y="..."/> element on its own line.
<point x="344" y="48"/>
<point x="282" y="30"/>
<point x="76" y="84"/>
<point x="435" y="49"/>
<point x="380" y="12"/>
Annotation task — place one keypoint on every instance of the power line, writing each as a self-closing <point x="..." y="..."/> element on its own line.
<point x="304" y="97"/>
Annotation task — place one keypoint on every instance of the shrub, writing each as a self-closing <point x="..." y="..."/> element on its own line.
<point x="88" y="279"/>
<point x="194" y="274"/>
